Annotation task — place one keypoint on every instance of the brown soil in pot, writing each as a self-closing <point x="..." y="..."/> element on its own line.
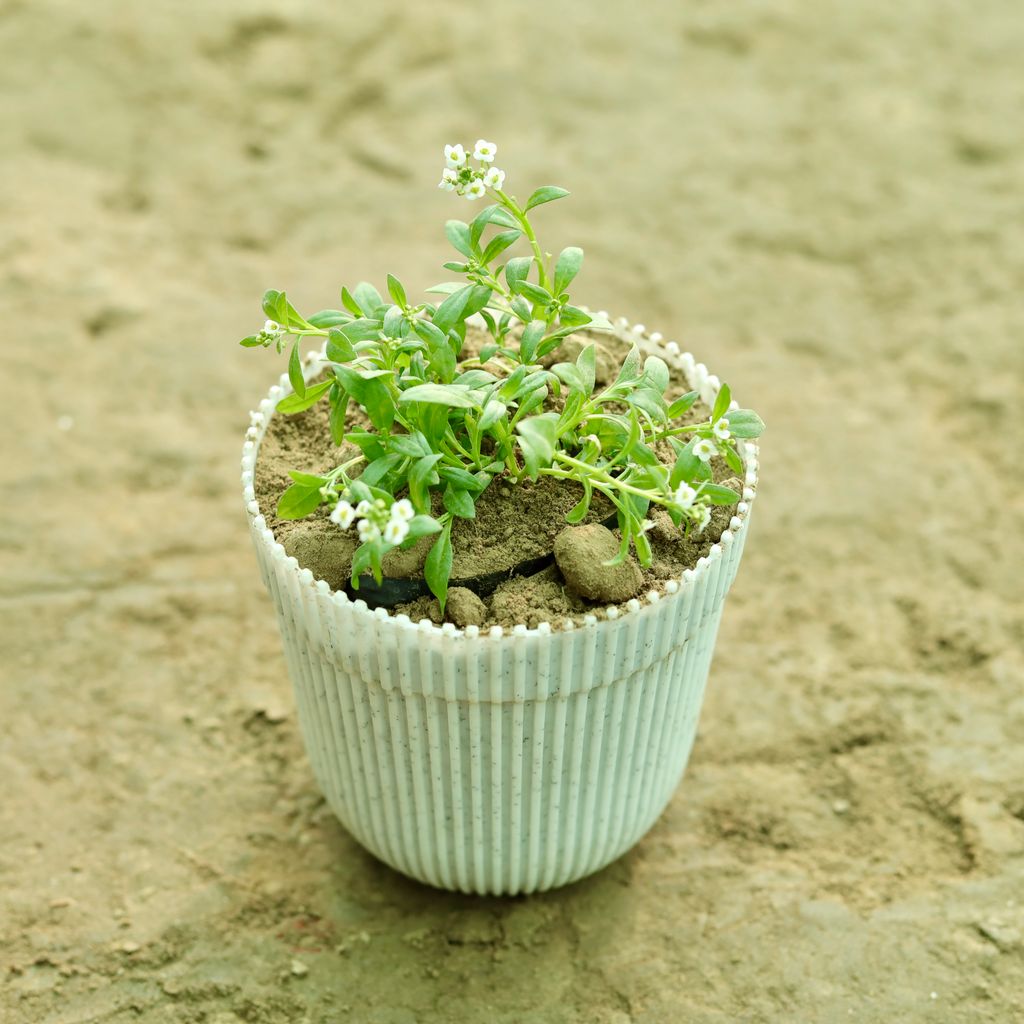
<point x="514" y="523"/>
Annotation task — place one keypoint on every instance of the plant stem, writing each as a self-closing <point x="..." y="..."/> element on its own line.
<point x="524" y="222"/>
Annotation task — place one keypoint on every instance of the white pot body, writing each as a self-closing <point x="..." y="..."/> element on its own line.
<point x="502" y="761"/>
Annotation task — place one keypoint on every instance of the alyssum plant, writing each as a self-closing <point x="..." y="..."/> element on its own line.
<point x="444" y="427"/>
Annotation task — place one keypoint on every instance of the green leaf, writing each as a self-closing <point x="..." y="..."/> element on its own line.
<point x="521" y="308"/>
<point x="349" y="302"/>
<point x="643" y="548"/>
<point x="499" y="243"/>
<point x="579" y="511"/>
<point x="657" y="373"/>
<point x="308" y="479"/>
<point x="396" y="291"/>
<point x="339" y="411"/>
<point x="362" y="329"/>
<point x="339" y="348"/>
<point x="459" y="503"/>
<point x="720" y="495"/>
<point x="298" y="382"/>
<point x="446" y="287"/>
<point x="532" y="334"/>
<point x="460" y="305"/>
<point x="429" y="332"/>
<point x="493" y="411"/>
<point x="370" y="392"/>
<point x="253" y="341"/>
<point x="475" y="378"/>
<point x="687" y="464"/>
<point x="438" y="568"/>
<point x="291" y="404"/>
<point x="569" y="374"/>
<point x="573" y="316"/>
<point x="649" y="400"/>
<point x="721" y="406"/>
<point x="421" y="526"/>
<point x="369" y="444"/>
<point x="413" y="445"/>
<point x="329" y="318"/>
<point x="745" y="423"/>
<point x="275" y="306"/>
<point x="630" y="369"/>
<point x="369" y="300"/>
<point x="586" y="363"/>
<point x="395" y="325"/>
<point x="682" y="404"/>
<point x="462" y="479"/>
<point x="516" y="271"/>
<point x="377" y="471"/>
<point x="538" y="436"/>
<point x="299" y="501"/>
<point x="457" y="232"/>
<point x="361" y="561"/>
<point x="568" y="266"/>
<point x="732" y="460"/>
<point x="493" y="214"/>
<point x="452" y="395"/>
<point x="545" y="194"/>
<point x="535" y="293"/>
<point x="421" y="476"/>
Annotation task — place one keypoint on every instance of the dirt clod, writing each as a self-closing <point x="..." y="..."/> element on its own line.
<point x="464" y="608"/>
<point x="581" y="552"/>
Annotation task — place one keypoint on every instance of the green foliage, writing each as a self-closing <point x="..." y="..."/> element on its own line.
<point x="443" y="424"/>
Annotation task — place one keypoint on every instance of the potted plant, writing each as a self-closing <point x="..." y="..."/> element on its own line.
<point x="499" y="556"/>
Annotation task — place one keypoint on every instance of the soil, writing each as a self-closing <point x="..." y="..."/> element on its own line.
<point x="513" y="533"/>
<point x="822" y="200"/>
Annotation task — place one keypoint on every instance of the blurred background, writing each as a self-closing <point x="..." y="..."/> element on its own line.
<point x="823" y="201"/>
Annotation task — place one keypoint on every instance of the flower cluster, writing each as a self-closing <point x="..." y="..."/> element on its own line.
<point x="471" y="182"/>
<point x="374" y="520"/>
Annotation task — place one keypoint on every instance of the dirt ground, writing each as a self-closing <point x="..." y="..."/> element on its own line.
<point x="822" y="200"/>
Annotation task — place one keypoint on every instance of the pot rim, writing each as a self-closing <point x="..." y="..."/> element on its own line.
<point x="697" y="377"/>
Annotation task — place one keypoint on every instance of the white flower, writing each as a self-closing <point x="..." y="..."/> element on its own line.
<point x="475" y="189"/>
<point x="454" y="156"/>
<point x="403" y="510"/>
<point x="685" y="496"/>
<point x="272" y="327"/>
<point x="368" y="531"/>
<point x="705" y="449"/>
<point x="395" y="531"/>
<point x="343" y="514"/>
<point x="362" y="508"/>
<point x="485" y="151"/>
<point x="704" y="518"/>
<point x="448" y="180"/>
<point x="493" y="178"/>
<point x="721" y="429"/>
<point x="594" y="440"/>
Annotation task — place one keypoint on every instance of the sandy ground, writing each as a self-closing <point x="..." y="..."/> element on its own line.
<point x="823" y="200"/>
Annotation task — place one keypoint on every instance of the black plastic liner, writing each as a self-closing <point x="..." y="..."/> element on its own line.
<point x="399" y="590"/>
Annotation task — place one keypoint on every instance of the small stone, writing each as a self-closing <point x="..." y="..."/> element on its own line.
<point x="580" y="552"/>
<point x="840" y="806"/>
<point x="61" y="901"/>
<point x="464" y="608"/>
<point x="299" y="969"/>
<point x="130" y="947"/>
<point x="1003" y="935"/>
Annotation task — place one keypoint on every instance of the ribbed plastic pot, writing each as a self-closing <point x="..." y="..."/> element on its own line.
<point x="501" y="761"/>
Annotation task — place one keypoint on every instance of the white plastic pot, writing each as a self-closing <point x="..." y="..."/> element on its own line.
<point x="501" y="761"/>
